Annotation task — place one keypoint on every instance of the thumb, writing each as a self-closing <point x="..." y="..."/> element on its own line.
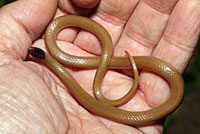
<point x="22" y="22"/>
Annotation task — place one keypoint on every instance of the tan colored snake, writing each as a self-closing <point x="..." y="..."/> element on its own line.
<point x="97" y="107"/>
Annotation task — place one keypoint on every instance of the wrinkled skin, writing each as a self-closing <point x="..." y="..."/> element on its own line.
<point x="34" y="100"/>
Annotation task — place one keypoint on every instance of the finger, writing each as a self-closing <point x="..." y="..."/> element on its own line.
<point x="145" y="27"/>
<point x="71" y="8"/>
<point x="21" y="22"/>
<point x="181" y="34"/>
<point x="86" y="3"/>
<point x="113" y="15"/>
<point x="176" y="47"/>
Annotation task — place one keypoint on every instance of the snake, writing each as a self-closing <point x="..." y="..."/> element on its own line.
<point x="57" y="60"/>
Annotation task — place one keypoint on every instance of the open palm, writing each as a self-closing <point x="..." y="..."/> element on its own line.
<point x="34" y="100"/>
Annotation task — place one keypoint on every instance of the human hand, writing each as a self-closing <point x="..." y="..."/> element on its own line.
<point x="34" y="100"/>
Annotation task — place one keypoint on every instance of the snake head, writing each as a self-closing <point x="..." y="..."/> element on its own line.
<point x="37" y="53"/>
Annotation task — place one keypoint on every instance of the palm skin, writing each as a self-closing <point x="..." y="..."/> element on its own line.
<point x="34" y="100"/>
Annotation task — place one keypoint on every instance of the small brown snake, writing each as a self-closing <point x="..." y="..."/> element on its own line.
<point x="97" y="107"/>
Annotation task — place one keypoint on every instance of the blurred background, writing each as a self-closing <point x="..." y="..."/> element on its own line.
<point x="186" y="119"/>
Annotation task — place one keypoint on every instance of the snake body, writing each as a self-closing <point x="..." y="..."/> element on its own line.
<point x="103" y="62"/>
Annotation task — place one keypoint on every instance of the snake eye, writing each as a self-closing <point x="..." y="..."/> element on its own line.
<point x="37" y="53"/>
